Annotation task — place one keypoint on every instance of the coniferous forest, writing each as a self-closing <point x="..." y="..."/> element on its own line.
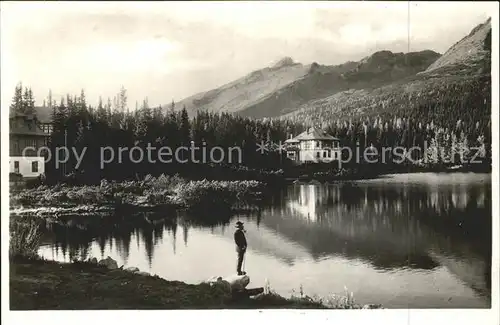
<point x="113" y="124"/>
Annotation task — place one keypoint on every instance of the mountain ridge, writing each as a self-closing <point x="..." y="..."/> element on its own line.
<point x="447" y="89"/>
<point x="469" y="56"/>
<point x="287" y="87"/>
<point x="290" y="84"/>
<point x="468" y="53"/>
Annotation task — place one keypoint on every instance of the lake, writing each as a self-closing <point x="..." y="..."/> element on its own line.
<point x="404" y="241"/>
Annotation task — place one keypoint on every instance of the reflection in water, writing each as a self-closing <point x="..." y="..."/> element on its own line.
<point x="73" y="238"/>
<point x="403" y="234"/>
<point x="394" y="227"/>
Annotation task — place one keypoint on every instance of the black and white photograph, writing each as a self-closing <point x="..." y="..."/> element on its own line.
<point x="250" y="155"/>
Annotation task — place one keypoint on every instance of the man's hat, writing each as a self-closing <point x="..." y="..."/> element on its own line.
<point x="239" y="224"/>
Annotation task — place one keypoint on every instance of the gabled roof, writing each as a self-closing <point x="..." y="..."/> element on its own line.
<point x="313" y="134"/>
<point x="43" y="114"/>
<point x="28" y="126"/>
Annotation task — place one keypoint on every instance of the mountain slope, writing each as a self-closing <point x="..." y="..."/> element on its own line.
<point x="287" y="85"/>
<point x="245" y="91"/>
<point x="469" y="54"/>
<point x="378" y="69"/>
<point x="448" y="90"/>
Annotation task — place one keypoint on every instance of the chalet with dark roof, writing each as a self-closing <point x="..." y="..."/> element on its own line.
<point x="26" y="137"/>
<point x="313" y="145"/>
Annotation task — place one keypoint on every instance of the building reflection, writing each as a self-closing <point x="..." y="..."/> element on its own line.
<point x="392" y="227"/>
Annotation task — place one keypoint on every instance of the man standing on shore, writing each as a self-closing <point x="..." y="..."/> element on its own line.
<point x="241" y="245"/>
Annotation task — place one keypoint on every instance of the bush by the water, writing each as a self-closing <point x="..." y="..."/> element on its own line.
<point x="217" y="194"/>
<point x="150" y="191"/>
<point x="345" y="301"/>
<point x="25" y="235"/>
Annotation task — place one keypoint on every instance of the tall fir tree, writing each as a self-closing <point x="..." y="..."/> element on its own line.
<point x="17" y="105"/>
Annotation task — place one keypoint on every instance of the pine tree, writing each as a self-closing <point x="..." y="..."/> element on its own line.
<point x="83" y="100"/>
<point x="61" y="116"/>
<point x="30" y="102"/>
<point x="185" y="126"/>
<point x="101" y="111"/>
<point x="123" y="99"/>
<point x="50" y="101"/>
<point x="109" y="112"/>
<point x="17" y="100"/>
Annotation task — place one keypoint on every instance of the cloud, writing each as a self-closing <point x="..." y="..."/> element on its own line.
<point x="130" y="56"/>
<point x="172" y="50"/>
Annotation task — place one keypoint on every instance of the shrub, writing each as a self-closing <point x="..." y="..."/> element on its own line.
<point x="345" y="301"/>
<point x="161" y="190"/>
<point x="25" y="235"/>
<point x="216" y="194"/>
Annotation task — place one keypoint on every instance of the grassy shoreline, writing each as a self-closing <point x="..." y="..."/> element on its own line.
<point x="47" y="285"/>
<point x="38" y="284"/>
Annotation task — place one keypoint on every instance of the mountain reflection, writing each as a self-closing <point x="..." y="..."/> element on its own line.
<point x="392" y="226"/>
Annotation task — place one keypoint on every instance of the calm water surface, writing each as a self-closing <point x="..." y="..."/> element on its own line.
<point x="405" y="241"/>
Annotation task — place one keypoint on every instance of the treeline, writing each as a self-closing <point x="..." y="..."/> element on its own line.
<point x="441" y="101"/>
<point x="23" y="101"/>
<point x="113" y="125"/>
<point x="424" y="144"/>
<point x="451" y="115"/>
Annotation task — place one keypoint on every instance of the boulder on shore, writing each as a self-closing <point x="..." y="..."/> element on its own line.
<point x="132" y="269"/>
<point x="219" y="282"/>
<point x="232" y="282"/>
<point x="109" y="263"/>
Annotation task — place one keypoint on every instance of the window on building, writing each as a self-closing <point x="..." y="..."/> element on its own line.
<point x="329" y="154"/>
<point x="34" y="167"/>
<point x="318" y="144"/>
<point x="47" y="128"/>
<point x="16" y="167"/>
<point x="318" y="154"/>
<point x="324" y="154"/>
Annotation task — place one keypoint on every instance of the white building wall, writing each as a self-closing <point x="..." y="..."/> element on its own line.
<point x="309" y="149"/>
<point x="311" y="155"/>
<point x="26" y="165"/>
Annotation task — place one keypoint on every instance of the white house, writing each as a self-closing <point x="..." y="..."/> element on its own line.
<point x="313" y="145"/>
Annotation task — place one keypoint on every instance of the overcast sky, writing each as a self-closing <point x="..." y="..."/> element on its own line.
<point x="172" y="50"/>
